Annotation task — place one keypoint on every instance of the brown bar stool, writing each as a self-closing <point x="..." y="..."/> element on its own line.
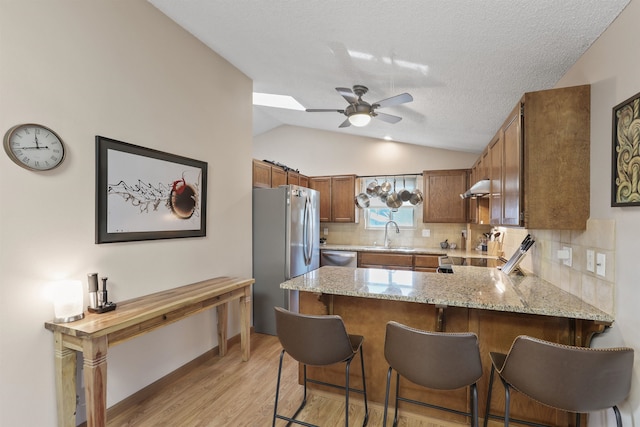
<point x="318" y="341"/>
<point x="437" y="360"/>
<point x="572" y="379"/>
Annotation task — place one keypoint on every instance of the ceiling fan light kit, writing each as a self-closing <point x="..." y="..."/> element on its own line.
<point x="359" y="119"/>
<point x="359" y="112"/>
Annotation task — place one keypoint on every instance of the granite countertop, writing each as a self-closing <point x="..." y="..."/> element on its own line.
<point x="469" y="253"/>
<point x="472" y="287"/>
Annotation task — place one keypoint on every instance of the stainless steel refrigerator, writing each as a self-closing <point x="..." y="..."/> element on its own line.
<point x="286" y="244"/>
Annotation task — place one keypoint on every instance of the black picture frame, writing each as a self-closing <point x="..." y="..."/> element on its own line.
<point x="146" y="194"/>
<point x="625" y="160"/>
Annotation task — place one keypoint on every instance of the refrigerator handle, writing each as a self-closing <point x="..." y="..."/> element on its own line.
<point x="308" y="232"/>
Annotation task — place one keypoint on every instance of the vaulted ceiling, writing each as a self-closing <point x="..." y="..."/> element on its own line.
<point x="465" y="62"/>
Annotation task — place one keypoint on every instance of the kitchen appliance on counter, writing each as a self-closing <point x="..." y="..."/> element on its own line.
<point x="286" y="230"/>
<point x="338" y="258"/>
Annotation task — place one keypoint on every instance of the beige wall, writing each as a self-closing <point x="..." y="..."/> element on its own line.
<point x="612" y="66"/>
<point x="120" y="69"/>
<point x="317" y="152"/>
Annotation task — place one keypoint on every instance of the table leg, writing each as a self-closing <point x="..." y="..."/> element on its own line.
<point x="95" y="380"/>
<point x="65" y="367"/>
<point x="223" y="315"/>
<point x="245" y="324"/>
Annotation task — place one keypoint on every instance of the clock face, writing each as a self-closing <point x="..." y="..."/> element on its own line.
<point x="34" y="147"/>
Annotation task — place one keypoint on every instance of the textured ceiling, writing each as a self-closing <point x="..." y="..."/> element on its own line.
<point x="465" y="62"/>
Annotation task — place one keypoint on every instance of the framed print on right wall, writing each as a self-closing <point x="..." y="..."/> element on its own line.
<point x="625" y="164"/>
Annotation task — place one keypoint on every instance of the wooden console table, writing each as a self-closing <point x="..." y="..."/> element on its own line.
<point x="96" y="332"/>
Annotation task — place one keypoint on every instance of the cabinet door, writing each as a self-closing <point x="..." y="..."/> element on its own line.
<point x="343" y="192"/>
<point x="323" y="185"/>
<point x="473" y="202"/>
<point x="385" y="260"/>
<point x="495" y="175"/>
<point x="261" y="174"/>
<point x="278" y="177"/>
<point x="293" y="178"/>
<point x="304" y="181"/>
<point x="511" y="173"/>
<point x="442" y="201"/>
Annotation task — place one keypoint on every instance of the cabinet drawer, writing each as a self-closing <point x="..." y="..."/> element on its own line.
<point x="428" y="261"/>
<point x="384" y="259"/>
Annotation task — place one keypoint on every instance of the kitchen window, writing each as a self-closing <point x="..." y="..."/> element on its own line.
<point x="378" y="213"/>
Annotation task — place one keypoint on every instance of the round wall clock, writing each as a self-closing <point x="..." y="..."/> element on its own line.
<point x="34" y="147"/>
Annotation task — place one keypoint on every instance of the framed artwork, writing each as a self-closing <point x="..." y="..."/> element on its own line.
<point x="145" y="194"/>
<point x="625" y="169"/>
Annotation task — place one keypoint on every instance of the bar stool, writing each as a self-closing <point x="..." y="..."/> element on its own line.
<point x="317" y="341"/>
<point x="572" y="379"/>
<point x="437" y="360"/>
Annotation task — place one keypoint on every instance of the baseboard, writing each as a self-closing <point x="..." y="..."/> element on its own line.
<point x="153" y="388"/>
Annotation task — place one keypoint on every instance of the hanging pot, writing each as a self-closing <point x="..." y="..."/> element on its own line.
<point x="373" y="188"/>
<point x="404" y="194"/>
<point x="362" y="200"/>
<point x="393" y="200"/>
<point x="385" y="187"/>
<point x="416" y="197"/>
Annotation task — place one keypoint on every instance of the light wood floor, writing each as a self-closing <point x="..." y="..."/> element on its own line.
<point x="226" y="392"/>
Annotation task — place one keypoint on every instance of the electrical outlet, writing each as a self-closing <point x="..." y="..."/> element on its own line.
<point x="426" y="233"/>
<point x="591" y="260"/>
<point x="326" y="231"/>
<point x="600" y="264"/>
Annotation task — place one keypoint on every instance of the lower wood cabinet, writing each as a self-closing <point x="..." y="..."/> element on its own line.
<point x="427" y="263"/>
<point x="394" y="261"/>
<point x="385" y="260"/>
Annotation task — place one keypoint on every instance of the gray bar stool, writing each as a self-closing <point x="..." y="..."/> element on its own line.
<point x="572" y="379"/>
<point x="437" y="360"/>
<point x="318" y="341"/>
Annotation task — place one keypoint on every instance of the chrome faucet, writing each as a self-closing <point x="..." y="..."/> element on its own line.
<point x="387" y="241"/>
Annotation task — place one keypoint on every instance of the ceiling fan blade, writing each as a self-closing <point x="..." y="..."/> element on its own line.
<point x="394" y="100"/>
<point x="347" y="94"/>
<point x="323" y="110"/>
<point x="345" y="124"/>
<point x="387" y="117"/>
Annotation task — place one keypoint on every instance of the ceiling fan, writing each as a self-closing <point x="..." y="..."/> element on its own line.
<point x="359" y="112"/>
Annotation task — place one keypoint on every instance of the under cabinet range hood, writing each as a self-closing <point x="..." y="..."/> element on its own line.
<point x="479" y="189"/>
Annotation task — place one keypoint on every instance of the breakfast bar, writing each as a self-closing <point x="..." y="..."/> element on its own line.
<point x="495" y="306"/>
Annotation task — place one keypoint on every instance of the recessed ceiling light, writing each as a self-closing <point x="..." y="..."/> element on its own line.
<point x="277" y="101"/>
<point x="388" y="138"/>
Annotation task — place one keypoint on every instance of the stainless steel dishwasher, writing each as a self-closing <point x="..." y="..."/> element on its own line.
<point x="338" y="258"/>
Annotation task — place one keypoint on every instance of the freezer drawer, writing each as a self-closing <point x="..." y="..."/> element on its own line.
<point x="339" y="258"/>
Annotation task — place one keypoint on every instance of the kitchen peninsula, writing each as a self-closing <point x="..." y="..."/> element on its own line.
<point x="496" y="306"/>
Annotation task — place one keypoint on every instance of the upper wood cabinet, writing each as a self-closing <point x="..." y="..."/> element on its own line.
<point x="261" y="174"/>
<point x="543" y="155"/>
<point x="442" y="201"/>
<point x="495" y="176"/>
<point x="336" y="197"/>
<point x="266" y="175"/>
<point x="278" y="177"/>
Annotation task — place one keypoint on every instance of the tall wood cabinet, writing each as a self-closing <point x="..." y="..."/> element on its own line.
<point x="442" y="201"/>
<point x="540" y="161"/>
<point x="336" y="197"/>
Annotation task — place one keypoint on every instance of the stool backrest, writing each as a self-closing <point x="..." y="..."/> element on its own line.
<point x="313" y="340"/>
<point x="575" y="379"/>
<point x="438" y="360"/>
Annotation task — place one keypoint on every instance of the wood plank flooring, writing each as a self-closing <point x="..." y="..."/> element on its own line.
<point x="226" y="392"/>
